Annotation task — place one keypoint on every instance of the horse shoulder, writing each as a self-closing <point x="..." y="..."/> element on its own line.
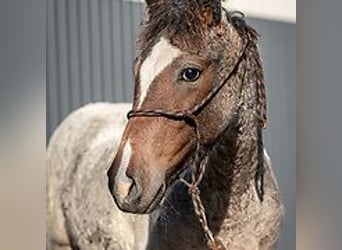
<point x="269" y="214"/>
<point x="272" y="210"/>
<point x="252" y="224"/>
<point x="80" y="210"/>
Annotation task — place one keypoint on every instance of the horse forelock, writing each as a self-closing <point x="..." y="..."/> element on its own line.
<point x="183" y="21"/>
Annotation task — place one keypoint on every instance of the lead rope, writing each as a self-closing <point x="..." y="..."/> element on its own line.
<point x="198" y="167"/>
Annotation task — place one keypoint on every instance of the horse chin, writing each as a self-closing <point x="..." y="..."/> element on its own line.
<point x="159" y="198"/>
<point x="145" y="205"/>
<point x="160" y="195"/>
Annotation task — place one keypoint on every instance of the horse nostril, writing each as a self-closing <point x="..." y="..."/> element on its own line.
<point x="133" y="192"/>
<point x="124" y="187"/>
<point x="127" y="190"/>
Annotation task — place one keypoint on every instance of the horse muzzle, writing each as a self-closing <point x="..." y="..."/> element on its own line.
<point x="131" y="196"/>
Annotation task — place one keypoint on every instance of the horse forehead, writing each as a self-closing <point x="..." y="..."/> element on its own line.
<point x="162" y="54"/>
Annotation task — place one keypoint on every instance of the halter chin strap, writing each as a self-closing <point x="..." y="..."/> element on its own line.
<point x="198" y="167"/>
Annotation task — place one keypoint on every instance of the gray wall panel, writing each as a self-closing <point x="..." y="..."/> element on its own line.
<point x="74" y="62"/>
<point x="105" y="47"/>
<point x="95" y="53"/>
<point x="127" y="47"/>
<point x="117" y="53"/>
<point x="62" y="58"/>
<point x="277" y="44"/>
<point x="51" y="71"/>
<point x="84" y="50"/>
<point x="90" y="52"/>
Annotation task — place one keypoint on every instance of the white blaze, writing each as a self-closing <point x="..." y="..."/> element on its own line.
<point x="162" y="55"/>
<point x="121" y="175"/>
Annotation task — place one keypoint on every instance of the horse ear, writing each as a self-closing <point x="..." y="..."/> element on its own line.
<point x="210" y="11"/>
<point x="154" y="5"/>
<point x="150" y="3"/>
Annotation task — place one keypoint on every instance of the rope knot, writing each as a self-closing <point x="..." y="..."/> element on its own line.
<point x="194" y="190"/>
<point x="216" y="244"/>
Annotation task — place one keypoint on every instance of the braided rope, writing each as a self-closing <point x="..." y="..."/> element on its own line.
<point x="261" y="105"/>
<point x="196" y="173"/>
<point x="261" y="119"/>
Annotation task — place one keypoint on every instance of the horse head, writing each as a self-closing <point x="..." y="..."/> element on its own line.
<point x="199" y="60"/>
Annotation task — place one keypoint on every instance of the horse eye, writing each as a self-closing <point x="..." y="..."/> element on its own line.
<point x="190" y="74"/>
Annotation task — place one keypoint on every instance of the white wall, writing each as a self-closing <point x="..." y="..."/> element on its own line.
<point x="280" y="10"/>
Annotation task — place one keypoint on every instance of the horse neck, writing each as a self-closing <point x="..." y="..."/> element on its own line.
<point x="230" y="165"/>
<point x="229" y="170"/>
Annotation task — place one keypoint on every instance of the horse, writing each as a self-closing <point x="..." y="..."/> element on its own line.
<point x="187" y="168"/>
